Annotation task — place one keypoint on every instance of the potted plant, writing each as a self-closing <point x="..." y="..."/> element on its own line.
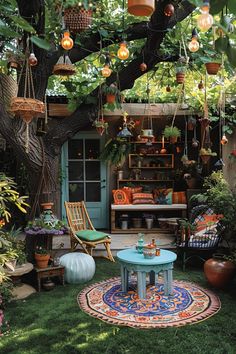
<point x="101" y="126"/>
<point x="206" y="154"/>
<point x="180" y="74"/>
<point x="42" y="257"/>
<point x="115" y="152"/>
<point x="112" y="93"/>
<point x="172" y="133"/>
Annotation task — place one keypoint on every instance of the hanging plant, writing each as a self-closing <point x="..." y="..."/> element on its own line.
<point x="206" y="154"/>
<point x="101" y="126"/>
<point x="172" y="133"/>
<point x="115" y="152"/>
<point x="78" y="17"/>
<point x="64" y="67"/>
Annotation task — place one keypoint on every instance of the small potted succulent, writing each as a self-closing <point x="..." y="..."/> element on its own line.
<point x="172" y="133"/>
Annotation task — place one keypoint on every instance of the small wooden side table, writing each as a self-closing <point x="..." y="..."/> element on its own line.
<point x="48" y="272"/>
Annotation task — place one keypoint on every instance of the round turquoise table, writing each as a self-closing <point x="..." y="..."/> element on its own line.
<point x="131" y="260"/>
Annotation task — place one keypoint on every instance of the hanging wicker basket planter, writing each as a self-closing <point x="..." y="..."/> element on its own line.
<point x="141" y="7"/>
<point x="64" y="67"/>
<point x="77" y="19"/>
<point x="205" y="158"/>
<point x="212" y="68"/>
<point x="27" y="108"/>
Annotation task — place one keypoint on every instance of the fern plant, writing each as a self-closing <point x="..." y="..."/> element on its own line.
<point x="115" y="152"/>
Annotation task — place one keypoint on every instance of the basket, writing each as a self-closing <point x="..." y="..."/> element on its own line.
<point x="27" y="108"/>
<point x="77" y="19"/>
<point x="64" y="69"/>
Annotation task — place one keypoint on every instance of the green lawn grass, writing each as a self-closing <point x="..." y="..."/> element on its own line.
<point x="52" y="323"/>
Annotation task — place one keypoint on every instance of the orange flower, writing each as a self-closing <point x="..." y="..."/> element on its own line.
<point x="2" y="222"/>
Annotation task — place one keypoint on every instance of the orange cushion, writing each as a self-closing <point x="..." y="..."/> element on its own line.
<point x="143" y="198"/>
<point x="208" y="220"/>
<point x="120" y="197"/>
<point x="179" y="198"/>
<point x="130" y="190"/>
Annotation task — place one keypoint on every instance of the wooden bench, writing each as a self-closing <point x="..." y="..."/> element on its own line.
<point x="173" y="210"/>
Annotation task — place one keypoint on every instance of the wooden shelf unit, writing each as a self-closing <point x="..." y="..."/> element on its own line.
<point x="151" y="161"/>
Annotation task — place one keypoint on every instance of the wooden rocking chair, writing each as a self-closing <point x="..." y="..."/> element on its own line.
<point x="82" y="231"/>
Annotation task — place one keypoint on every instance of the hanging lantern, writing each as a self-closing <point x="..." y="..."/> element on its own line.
<point x="193" y="46"/>
<point x="224" y="140"/>
<point x="143" y="66"/>
<point x="141" y="7"/>
<point x="106" y="71"/>
<point x="123" y="51"/>
<point x="67" y="42"/>
<point x="32" y="59"/>
<point x="205" y="20"/>
<point x="169" y="10"/>
<point x="124" y="132"/>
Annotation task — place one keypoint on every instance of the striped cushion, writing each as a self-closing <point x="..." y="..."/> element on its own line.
<point x="143" y="198"/>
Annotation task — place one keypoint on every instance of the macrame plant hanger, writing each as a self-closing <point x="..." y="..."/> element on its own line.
<point x="27" y="107"/>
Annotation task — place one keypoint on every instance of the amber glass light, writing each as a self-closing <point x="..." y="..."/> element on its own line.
<point x="224" y="140"/>
<point x="106" y="71"/>
<point x="123" y="51"/>
<point x="67" y="42"/>
<point x="32" y="59"/>
<point x="193" y="46"/>
<point x="205" y="20"/>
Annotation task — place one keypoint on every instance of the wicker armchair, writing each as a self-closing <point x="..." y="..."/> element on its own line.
<point x="194" y="243"/>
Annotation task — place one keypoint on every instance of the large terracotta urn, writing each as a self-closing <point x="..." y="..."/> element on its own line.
<point x="218" y="271"/>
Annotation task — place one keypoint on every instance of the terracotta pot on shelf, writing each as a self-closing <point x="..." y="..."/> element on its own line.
<point x="41" y="260"/>
<point x="212" y="68"/>
<point x="110" y="98"/>
<point x="47" y="205"/>
<point x="218" y="271"/>
<point x="141" y="7"/>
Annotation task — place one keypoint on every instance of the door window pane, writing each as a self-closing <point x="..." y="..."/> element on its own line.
<point x="76" y="171"/>
<point x="92" y="170"/>
<point x="76" y="192"/>
<point x="93" y="192"/>
<point x="92" y="149"/>
<point x="75" y="149"/>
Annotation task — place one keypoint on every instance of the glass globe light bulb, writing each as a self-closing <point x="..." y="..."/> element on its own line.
<point x="106" y="71"/>
<point x="67" y="42"/>
<point x="193" y="46"/>
<point x="123" y="51"/>
<point x="32" y="59"/>
<point x="224" y="140"/>
<point x="205" y="21"/>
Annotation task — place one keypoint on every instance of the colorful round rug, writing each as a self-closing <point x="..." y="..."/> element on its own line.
<point x="189" y="304"/>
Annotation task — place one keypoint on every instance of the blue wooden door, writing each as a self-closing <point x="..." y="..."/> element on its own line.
<point x="84" y="176"/>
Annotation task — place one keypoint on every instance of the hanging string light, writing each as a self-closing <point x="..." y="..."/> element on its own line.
<point x="32" y="59"/>
<point x="193" y="46"/>
<point x="67" y="42"/>
<point x="205" y="20"/>
<point x="123" y="51"/>
<point x="106" y="71"/>
<point x="169" y="10"/>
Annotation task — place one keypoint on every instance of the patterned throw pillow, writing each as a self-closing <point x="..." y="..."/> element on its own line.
<point x="120" y="197"/>
<point x="179" y="198"/>
<point x="205" y="221"/>
<point x="143" y="198"/>
<point x="130" y="190"/>
<point x="163" y="196"/>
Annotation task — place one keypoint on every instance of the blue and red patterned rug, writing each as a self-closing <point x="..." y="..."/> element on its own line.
<point x="189" y="304"/>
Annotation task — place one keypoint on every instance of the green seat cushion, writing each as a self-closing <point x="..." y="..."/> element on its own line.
<point x="91" y="235"/>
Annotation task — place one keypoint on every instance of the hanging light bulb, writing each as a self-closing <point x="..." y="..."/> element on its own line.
<point x="169" y="10"/>
<point x="168" y="88"/>
<point x="205" y="20"/>
<point x="67" y="42"/>
<point x="123" y="51"/>
<point x="193" y="46"/>
<point x="224" y="140"/>
<point x="32" y="59"/>
<point x="106" y="71"/>
<point x="143" y="66"/>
